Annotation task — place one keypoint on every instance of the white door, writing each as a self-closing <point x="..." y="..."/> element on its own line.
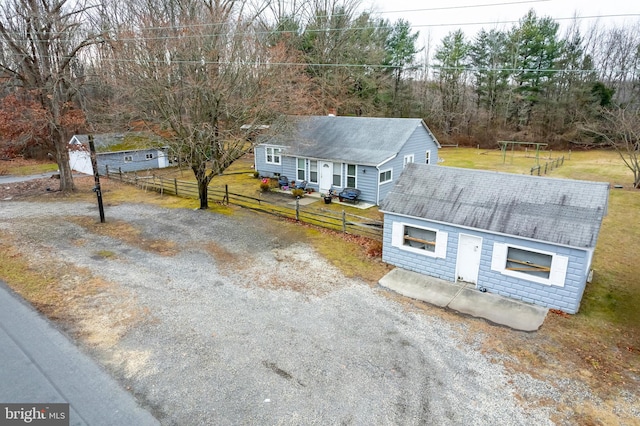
<point x="326" y="175"/>
<point x="469" y="251"/>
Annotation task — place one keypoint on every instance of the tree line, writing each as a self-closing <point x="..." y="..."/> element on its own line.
<point x="202" y="73"/>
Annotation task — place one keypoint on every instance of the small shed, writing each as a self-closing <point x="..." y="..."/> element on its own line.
<point x="334" y="153"/>
<point x="525" y="237"/>
<point x="127" y="152"/>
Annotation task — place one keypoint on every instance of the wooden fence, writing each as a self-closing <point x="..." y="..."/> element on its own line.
<point x="548" y="166"/>
<point x="342" y="222"/>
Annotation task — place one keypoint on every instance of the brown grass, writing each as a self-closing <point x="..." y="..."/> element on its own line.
<point x="602" y="341"/>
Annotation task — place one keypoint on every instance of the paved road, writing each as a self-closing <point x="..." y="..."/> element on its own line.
<point x="40" y="365"/>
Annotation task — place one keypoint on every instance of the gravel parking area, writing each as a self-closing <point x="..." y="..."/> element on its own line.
<point x="214" y="319"/>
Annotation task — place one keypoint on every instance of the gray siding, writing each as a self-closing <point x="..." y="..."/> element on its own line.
<point x="566" y="298"/>
<point x="139" y="161"/>
<point x="260" y="158"/>
<point x="417" y="145"/>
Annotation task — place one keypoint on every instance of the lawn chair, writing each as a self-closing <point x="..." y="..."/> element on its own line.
<point x="301" y="185"/>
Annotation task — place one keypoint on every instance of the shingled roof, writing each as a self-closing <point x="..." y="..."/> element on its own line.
<point x="560" y="211"/>
<point x="358" y="140"/>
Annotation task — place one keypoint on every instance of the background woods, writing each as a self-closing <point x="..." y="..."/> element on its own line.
<point x="199" y="71"/>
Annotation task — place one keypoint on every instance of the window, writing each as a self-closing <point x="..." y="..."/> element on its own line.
<point x="301" y="173"/>
<point x="385" y="176"/>
<point x="313" y="171"/>
<point x="351" y="176"/>
<point x="531" y="265"/>
<point x="420" y="240"/>
<point x="528" y="262"/>
<point x="273" y="155"/>
<point x="337" y="174"/>
<point x="427" y="157"/>
<point x="424" y="239"/>
<point x="128" y="158"/>
<point x="149" y="156"/>
<point x="408" y="159"/>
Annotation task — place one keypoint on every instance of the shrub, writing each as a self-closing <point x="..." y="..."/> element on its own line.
<point x="265" y="186"/>
<point x="256" y="174"/>
<point x="297" y="193"/>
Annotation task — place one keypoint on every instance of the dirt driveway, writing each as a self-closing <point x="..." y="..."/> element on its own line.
<point x="214" y="319"/>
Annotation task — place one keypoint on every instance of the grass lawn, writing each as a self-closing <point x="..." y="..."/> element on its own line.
<point x="602" y="341"/>
<point x="606" y="331"/>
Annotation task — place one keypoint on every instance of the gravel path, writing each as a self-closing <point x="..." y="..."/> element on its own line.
<point x="239" y="322"/>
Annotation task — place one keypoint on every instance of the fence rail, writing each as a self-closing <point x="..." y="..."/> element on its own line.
<point x="342" y="222"/>
<point x="548" y="166"/>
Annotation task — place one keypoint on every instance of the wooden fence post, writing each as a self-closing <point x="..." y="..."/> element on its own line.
<point x="297" y="209"/>
<point x="120" y="173"/>
<point x="344" y="222"/>
<point x="106" y="170"/>
<point x="175" y="185"/>
<point x="226" y="194"/>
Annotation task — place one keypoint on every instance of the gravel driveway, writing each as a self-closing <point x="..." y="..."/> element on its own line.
<point x="239" y="322"/>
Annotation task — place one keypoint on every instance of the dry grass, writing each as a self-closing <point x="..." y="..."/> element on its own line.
<point x="603" y="339"/>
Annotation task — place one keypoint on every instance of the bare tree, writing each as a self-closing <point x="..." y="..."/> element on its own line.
<point x="41" y="41"/>
<point x="620" y="130"/>
<point x="201" y="77"/>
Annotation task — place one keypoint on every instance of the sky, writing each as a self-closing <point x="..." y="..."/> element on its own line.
<point x="437" y="19"/>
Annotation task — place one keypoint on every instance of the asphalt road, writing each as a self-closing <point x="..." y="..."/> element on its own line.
<point x="40" y="365"/>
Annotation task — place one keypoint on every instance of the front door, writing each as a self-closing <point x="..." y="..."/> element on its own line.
<point x="326" y="175"/>
<point x="469" y="251"/>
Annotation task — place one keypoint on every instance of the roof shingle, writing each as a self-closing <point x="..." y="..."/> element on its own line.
<point x="561" y="211"/>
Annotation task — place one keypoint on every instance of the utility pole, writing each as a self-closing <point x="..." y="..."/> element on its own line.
<point x="96" y="176"/>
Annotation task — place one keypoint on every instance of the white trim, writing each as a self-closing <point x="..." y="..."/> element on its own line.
<point x="386" y="161"/>
<point x="397" y="240"/>
<point x="409" y="158"/>
<point x="304" y="170"/>
<point x="340" y="167"/>
<point x="380" y="172"/>
<point x="558" y="270"/>
<point x="273" y="155"/>
<point x="354" y="175"/>
<point x="486" y="231"/>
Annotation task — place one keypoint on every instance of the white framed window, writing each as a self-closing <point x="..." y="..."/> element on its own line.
<point x="273" y="155"/>
<point x="385" y="176"/>
<point x="408" y="159"/>
<point x="351" y="175"/>
<point x="313" y="171"/>
<point x="301" y="169"/>
<point x="128" y="158"/>
<point x="149" y="156"/>
<point x="337" y="175"/>
<point x="538" y="266"/>
<point x="420" y="240"/>
<point x="427" y="157"/>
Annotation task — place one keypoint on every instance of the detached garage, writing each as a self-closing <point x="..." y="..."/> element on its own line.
<point x="525" y="237"/>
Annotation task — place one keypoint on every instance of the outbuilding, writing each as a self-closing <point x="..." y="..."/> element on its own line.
<point x="118" y="152"/>
<point x="524" y="237"/>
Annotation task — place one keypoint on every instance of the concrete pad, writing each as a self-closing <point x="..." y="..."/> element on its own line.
<point x="499" y="310"/>
<point x="464" y="298"/>
<point x="417" y="286"/>
<point x="304" y="201"/>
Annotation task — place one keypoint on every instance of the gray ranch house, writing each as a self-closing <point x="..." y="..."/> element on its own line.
<point x="332" y="152"/>
<point x="524" y="237"/>
<point x="112" y="154"/>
